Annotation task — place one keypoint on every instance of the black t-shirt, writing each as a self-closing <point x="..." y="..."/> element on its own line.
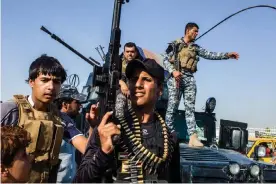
<point x="152" y="139"/>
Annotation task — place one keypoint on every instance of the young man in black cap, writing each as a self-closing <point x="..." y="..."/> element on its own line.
<point x="147" y="151"/>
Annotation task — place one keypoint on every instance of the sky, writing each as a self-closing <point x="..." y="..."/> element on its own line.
<point x="244" y="89"/>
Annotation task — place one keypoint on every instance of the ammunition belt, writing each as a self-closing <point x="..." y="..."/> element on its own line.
<point x="139" y="153"/>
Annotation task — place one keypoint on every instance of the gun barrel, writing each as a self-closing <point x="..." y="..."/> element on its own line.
<point x="45" y="30"/>
<point x="55" y="37"/>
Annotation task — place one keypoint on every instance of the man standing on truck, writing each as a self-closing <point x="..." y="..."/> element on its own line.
<point x="181" y="58"/>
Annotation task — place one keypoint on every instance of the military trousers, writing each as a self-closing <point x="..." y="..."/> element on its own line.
<point x="187" y="88"/>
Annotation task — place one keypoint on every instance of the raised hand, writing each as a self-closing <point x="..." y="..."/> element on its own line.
<point x="177" y="75"/>
<point x="92" y="115"/>
<point x="233" y="55"/>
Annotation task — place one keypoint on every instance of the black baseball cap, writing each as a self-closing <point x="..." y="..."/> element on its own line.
<point x="149" y="65"/>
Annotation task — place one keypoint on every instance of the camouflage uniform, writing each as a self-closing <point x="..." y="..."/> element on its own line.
<point x="121" y="99"/>
<point x="187" y="85"/>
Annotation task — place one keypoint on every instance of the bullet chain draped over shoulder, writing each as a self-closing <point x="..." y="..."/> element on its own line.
<point x="149" y="160"/>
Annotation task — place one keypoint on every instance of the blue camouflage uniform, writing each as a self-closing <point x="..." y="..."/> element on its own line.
<point x="187" y="86"/>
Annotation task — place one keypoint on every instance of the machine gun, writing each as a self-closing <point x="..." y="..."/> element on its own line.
<point x="105" y="78"/>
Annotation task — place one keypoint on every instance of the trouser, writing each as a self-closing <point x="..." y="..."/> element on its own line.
<point x="187" y="88"/>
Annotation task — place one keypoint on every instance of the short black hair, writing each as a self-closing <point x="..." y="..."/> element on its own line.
<point x="46" y="65"/>
<point x="58" y="102"/>
<point x="190" y="25"/>
<point x="131" y="44"/>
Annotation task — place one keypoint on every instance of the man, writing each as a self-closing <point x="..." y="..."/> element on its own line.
<point x="147" y="151"/>
<point x="38" y="115"/>
<point x="15" y="162"/>
<point x="130" y="52"/>
<point x="180" y="61"/>
<point x="69" y="102"/>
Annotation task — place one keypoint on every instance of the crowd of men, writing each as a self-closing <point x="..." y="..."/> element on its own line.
<point x="39" y="135"/>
